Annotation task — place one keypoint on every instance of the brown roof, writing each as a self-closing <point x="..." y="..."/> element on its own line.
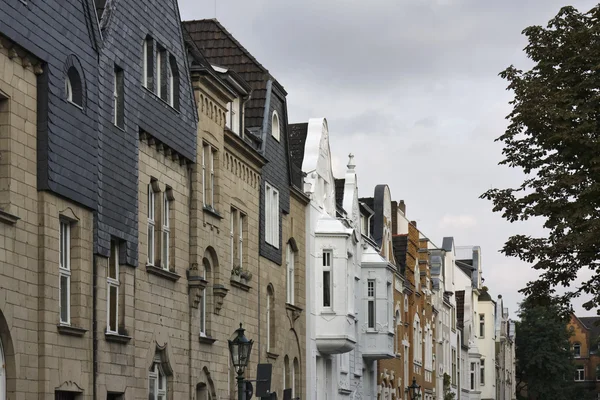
<point x="593" y="324"/>
<point x="222" y="49"/>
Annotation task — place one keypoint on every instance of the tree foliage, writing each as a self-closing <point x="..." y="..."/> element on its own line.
<point x="544" y="368"/>
<point x="553" y="136"/>
<point x="448" y="394"/>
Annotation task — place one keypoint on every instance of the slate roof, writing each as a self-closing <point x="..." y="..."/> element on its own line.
<point x="400" y="243"/>
<point x="447" y="243"/>
<point x="297" y="139"/>
<point x="485" y="296"/>
<point x="339" y="191"/>
<point x="221" y="48"/>
<point x="460" y="308"/>
<point x="593" y="324"/>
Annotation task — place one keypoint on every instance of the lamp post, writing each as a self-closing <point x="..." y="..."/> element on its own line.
<point x="414" y="390"/>
<point x="240" y="348"/>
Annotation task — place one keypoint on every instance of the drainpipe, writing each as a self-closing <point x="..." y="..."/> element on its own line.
<point x="190" y="336"/>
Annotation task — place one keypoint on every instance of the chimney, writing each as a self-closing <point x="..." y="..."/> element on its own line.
<point x="394" y="217"/>
<point x="402" y="207"/>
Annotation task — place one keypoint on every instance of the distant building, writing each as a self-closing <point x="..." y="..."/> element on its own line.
<point x="506" y="386"/>
<point x="585" y="342"/>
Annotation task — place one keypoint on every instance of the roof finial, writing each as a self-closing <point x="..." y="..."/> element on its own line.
<point x="351" y="164"/>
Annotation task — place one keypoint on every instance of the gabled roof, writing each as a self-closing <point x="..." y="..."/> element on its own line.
<point x="339" y="191"/>
<point x="221" y="48"/>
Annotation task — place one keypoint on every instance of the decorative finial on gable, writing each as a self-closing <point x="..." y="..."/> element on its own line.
<point x="351" y="164"/>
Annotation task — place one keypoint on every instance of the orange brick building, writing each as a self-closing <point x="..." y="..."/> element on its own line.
<point x="585" y="343"/>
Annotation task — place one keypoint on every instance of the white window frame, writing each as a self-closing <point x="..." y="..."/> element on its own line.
<point x="232" y="236"/>
<point x="159" y="377"/>
<point x="275" y="126"/>
<point x="271" y="215"/>
<point x="145" y="64"/>
<point x="473" y="373"/>
<point x="64" y="270"/>
<point x="233" y="118"/>
<point x="371" y="314"/>
<point x="481" y="325"/>
<point x="151" y="225"/>
<point x="290" y="261"/>
<point x="580" y="373"/>
<point x="241" y="219"/>
<point x="327" y="258"/>
<point x="482" y="372"/>
<point x="69" y="89"/>
<point x="170" y="83"/>
<point x="166" y="232"/>
<point x="115" y="99"/>
<point x="269" y="311"/>
<point x="158" y="71"/>
<point x="113" y="282"/>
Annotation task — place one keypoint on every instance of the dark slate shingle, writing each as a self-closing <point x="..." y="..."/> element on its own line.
<point x="339" y="192"/>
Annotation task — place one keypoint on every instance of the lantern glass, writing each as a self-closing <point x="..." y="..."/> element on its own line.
<point x="240" y="348"/>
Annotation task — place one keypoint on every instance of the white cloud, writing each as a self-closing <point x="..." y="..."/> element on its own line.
<point x="458" y="222"/>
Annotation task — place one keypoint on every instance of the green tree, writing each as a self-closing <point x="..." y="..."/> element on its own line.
<point x="448" y="395"/>
<point x="553" y="136"/>
<point x="544" y="368"/>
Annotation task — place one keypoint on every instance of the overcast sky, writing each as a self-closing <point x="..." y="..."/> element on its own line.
<point x="411" y="88"/>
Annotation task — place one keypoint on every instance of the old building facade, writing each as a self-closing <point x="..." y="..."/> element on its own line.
<point x="585" y="342"/>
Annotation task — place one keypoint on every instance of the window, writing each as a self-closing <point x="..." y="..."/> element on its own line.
<point x="157" y="382"/>
<point x="202" y="305"/>
<point x="233" y="117"/>
<point x="170" y="86"/>
<point x="275" y="126"/>
<point x="166" y="231"/>
<point x="237" y="223"/>
<point x="290" y="261"/>
<point x="417" y="276"/>
<point x="453" y="317"/>
<point x="112" y="289"/>
<point x="327" y="278"/>
<point x="271" y="215"/>
<point x="148" y="63"/>
<point x="473" y="376"/>
<point x="64" y="395"/>
<point x="454" y="382"/>
<point x="74" y="87"/>
<point x="296" y="379"/>
<point x="151" y="223"/>
<point x="482" y="372"/>
<point x="598" y="372"/>
<point x="286" y="372"/>
<point x="577" y="350"/>
<point x="270" y="318"/>
<point x="371" y="303"/>
<point x="173" y="83"/>
<point x="64" y="269"/>
<point x="580" y="373"/>
<point x="118" y="105"/>
<point x="208" y="175"/>
<point x="481" y="325"/>
<point x="159" y="60"/>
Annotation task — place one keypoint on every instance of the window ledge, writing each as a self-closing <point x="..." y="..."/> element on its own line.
<point x="328" y="312"/>
<point x="239" y="284"/>
<point x="172" y="276"/>
<point x="206" y="339"/>
<point x="212" y="211"/>
<point x="71" y="330"/>
<point x="116" y="338"/>
<point x="272" y="356"/>
<point x="74" y="104"/>
<point x="161" y="99"/>
<point x="8" y="218"/>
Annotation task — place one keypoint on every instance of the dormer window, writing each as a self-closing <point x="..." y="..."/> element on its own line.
<point x="74" y="91"/>
<point x="275" y="126"/>
<point x="233" y="116"/>
<point x="160" y="73"/>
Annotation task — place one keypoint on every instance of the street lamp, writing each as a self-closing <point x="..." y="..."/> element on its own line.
<point x="240" y="348"/>
<point x="414" y="390"/>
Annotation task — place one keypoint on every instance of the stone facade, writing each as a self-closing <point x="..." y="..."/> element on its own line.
<point x="585" y="341"/>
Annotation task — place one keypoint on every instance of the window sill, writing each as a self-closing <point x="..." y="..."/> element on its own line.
<point x="272" y="356"/>
<point x="172" y="276"/>
<point x="74" y="104"/>
<point x="161" y="99"/>
<point x="206" y="339"/>
<point x="116" y="338"/>
<point x="240" y="285"/>
<point x="8" y="218"/>
<point x="328" y="312"/>
<point x="212" y="211"/>
<point x="70" y="330"/>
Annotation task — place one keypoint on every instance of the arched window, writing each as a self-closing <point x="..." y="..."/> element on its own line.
<point x="286" y="373"/>
<point x="290" y="262"/>
<point x="210" y="271"/>
<point x="270" y="318"/>
<point x="158" y="385"/>
<point x="275" y="125"/>
<point x="202" y="306"/>
<point x="296" y="385"/>
<point x="74" y="87"/>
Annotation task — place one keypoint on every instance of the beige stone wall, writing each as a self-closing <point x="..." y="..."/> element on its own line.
<point x="39" y="357"/>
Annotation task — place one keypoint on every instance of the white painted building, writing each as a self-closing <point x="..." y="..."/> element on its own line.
<point x="505" y="354"/>
<point x="348" y="290"/>
<point x="486" y="342"/>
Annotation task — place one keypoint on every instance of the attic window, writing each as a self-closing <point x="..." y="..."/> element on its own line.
<point x="275" y="126"/>
<point x="73" y="87"/>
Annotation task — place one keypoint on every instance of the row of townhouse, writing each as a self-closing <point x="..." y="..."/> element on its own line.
<point x="153" y="196"/>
